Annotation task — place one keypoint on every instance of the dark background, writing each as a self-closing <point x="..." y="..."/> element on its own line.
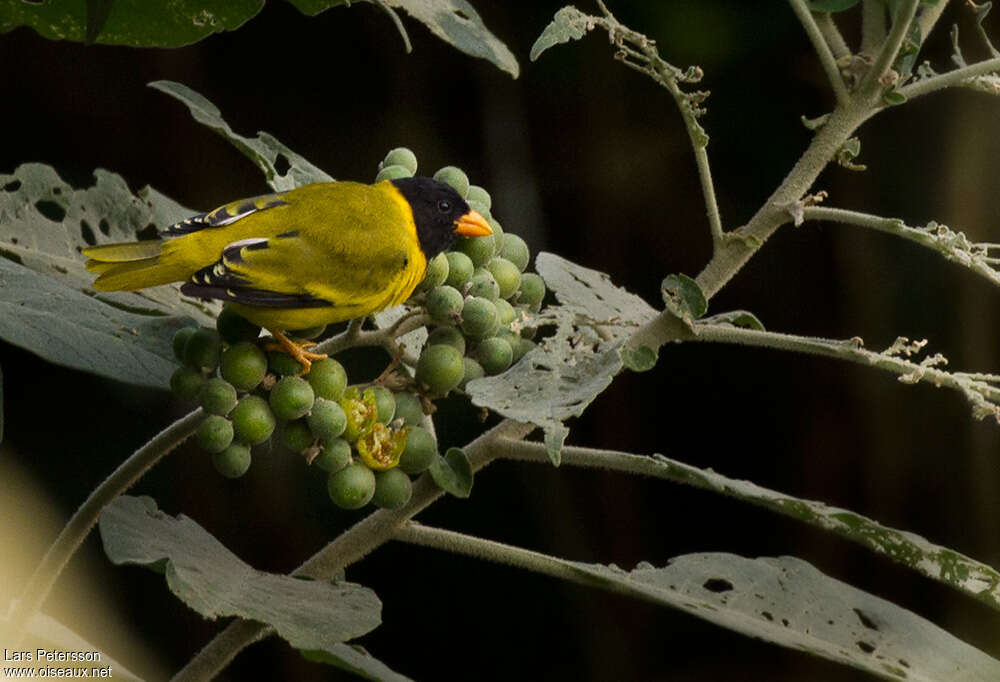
<point x="590" y="160"/>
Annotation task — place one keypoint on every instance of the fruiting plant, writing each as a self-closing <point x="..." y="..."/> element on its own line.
<point x="533" y="339"/>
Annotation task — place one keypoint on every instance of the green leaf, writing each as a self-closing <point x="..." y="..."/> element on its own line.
<point x="269" y="154"/>
<point x="684" y="298"/>
<point x="788" y="602"/>
<point x="831" y="5"/>
<point x="850" y="150"/>
<point x="641" y="359"/>
<point x="737" y="318"/>
<point x="357" y="660"/>
<point x="893" y="97"/>
<point x="213" y="581"/>
<point x="137" y="23"/>
<point x="453" y="473"/>
<point x="568" y="24"/>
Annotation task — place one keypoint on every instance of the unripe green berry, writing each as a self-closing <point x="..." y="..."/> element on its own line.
<point x="514" y="249"/>
<point x="394" y="172"/>
<point x="520" y="346"/>
<point x="479" y="249"/>
<point x="297" y="436"/>
<point x="494" y="354"/>
<point x="253" y="421"/>
<point x="420" y="451"/>
<point x="472" y="370"/>
<point x="352" y="487"/>
<point x="498" y="232"/>
<point x="291" y="398"/>
<point x="282" y="364"/>
<point x="532" y="291"/>
<point x="335" y="456"/>
<point x="308" y="332"/>
<point x="202" y="350"/>
<point x="479" y="318"/>
<point x="215" y="433"/>
<point x="328" y="379"/>
<point x="436" y="274"/>
<point x="479" y="207"/>
<point x="234" y="328"/>
<point x="232" y="462"/>
<point x="243" y="365"/>
<point x="439" y="369"/>
<point x="505" y="312"/>
<point x="385" y="404"/>
<point x="409" y="408"/>
<point x="217" y="396"/>
<point x="456" y="177"/>
<point x="449" y="336"/>
<point x="444" y="304"/>
<point x="181" y="337"/>
<point x="401" y="156"/>
<point x="507" y="276"/>
<point x="460" y="269"/>
<point x="392" y="489"/>
<point x="327" y="419"/>
<point x="477" y="193"/>
<point x="483" y="285"/>
<point x="186" y="382"/>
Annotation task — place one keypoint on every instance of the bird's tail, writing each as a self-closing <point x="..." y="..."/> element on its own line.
<point x="130" y="266"/>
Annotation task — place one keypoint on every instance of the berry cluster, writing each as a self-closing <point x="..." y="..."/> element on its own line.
<point x="478" y="294"/>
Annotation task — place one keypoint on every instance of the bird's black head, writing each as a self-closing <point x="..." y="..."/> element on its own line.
<point x="440" y="214"/>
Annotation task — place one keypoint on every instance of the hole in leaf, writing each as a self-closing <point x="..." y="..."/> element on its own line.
<point x="13" y="240"/>
<point x="784" y="621"/>
<point x="51" y="210"/>
<point x="148" y="232"/>
<point x="461" y="15"/>
<point x="767" y="614"/>
<point x="11" y="257"/>
<point x="87" y="233"/>
<point x="717" y="585"/>
<point x="104" y="227"/>
<point x="866" y="620"/>
<point x="281" y="164"/>
<point x="866" y="647"/>
<point x="61" y="269"/>
<point x="57" y="190"/>
<point x="903" y="662"/>
<point x="12" y="186"/>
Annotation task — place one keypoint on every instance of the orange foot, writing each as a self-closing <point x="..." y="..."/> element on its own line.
<point x="296" y="350"/>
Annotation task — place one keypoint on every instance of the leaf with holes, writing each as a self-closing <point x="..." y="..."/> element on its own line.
<point x="568" y="24"/>
<point x="283" y="168"/>
<point x="135" y="23"/>
<point x="790" y="603"/>
<point x="202" y="572"/>
<point x="684" y="298"/>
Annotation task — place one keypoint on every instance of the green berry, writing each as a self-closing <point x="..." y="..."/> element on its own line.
<point x="449" y="336"/>
<point x="497" y="232"/>
<point x="253" y="421"/>
<point x="455" y="177"/>
<point x="202" y="350"/>
<point x="444" y="304"/>
<point x="394" y="172"/>
<point x="282" y="364"/>
<point x="479" y="207"/>
<point x="186" y="383"/>
<point x="409" y="408"/>
<point x="460" y="269"/>
<point x="232" y="462"/>
<point x="436" y="274"/>
<point x="439" y="369"/>
<point x="479" y="249"/>
<point x="352" y="487"/>
<point x="484" y="285"/>
<point x="494" y="354"/>
<point x="421" y="450"/>
<point x="181" y="337"/>
<point x="479" y="318"/>
<point x="327" y="419"/>
<point x="520" y="347"/>
<point x="515" y="250"/>
<point x="532" y="291"/>
<point x="392" y="489"/>
<point x="385" y="404"/>
<point x="472" y="370"/>
<point x="243" y="365"/>
<point x="308" y="332"/>
<point x="217" y="396"/>
<point x="477" y="193"/>
<point x="328" y="379"/>
<point x="215" y="434"/>
<point x="505" y="311"/>
<point x="234" y="328"/>
<point x="297" y="436"/>
<point x="291" y="398"/>
<point x="401" y="156"/>
<point x="335" y="456"/>
<point x="507" y="275"/>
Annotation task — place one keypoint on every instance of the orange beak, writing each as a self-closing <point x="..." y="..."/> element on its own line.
<point x="472" y="225"/>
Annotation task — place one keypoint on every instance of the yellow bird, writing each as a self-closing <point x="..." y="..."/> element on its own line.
<point x="311" y="256"/>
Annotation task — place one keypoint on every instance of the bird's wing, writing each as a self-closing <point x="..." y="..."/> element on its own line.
<point x="224" y="215"/>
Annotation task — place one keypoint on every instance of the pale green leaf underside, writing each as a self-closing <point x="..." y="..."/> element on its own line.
<point x="568" y="24"/>
<point x="202" y="572"/>
<point x="790" y="603"/>
<point x="264" y="150"/>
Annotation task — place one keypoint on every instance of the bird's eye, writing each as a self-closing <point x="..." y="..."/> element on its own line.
<point x="444" y="206"/>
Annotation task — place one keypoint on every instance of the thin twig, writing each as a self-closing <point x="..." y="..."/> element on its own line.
<point x="873" y="29"/>
<point x="826" y="58"/>
<point x="890" y="48"/>
<point x="950" y="79"/>
<point x="832" y="35"/>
